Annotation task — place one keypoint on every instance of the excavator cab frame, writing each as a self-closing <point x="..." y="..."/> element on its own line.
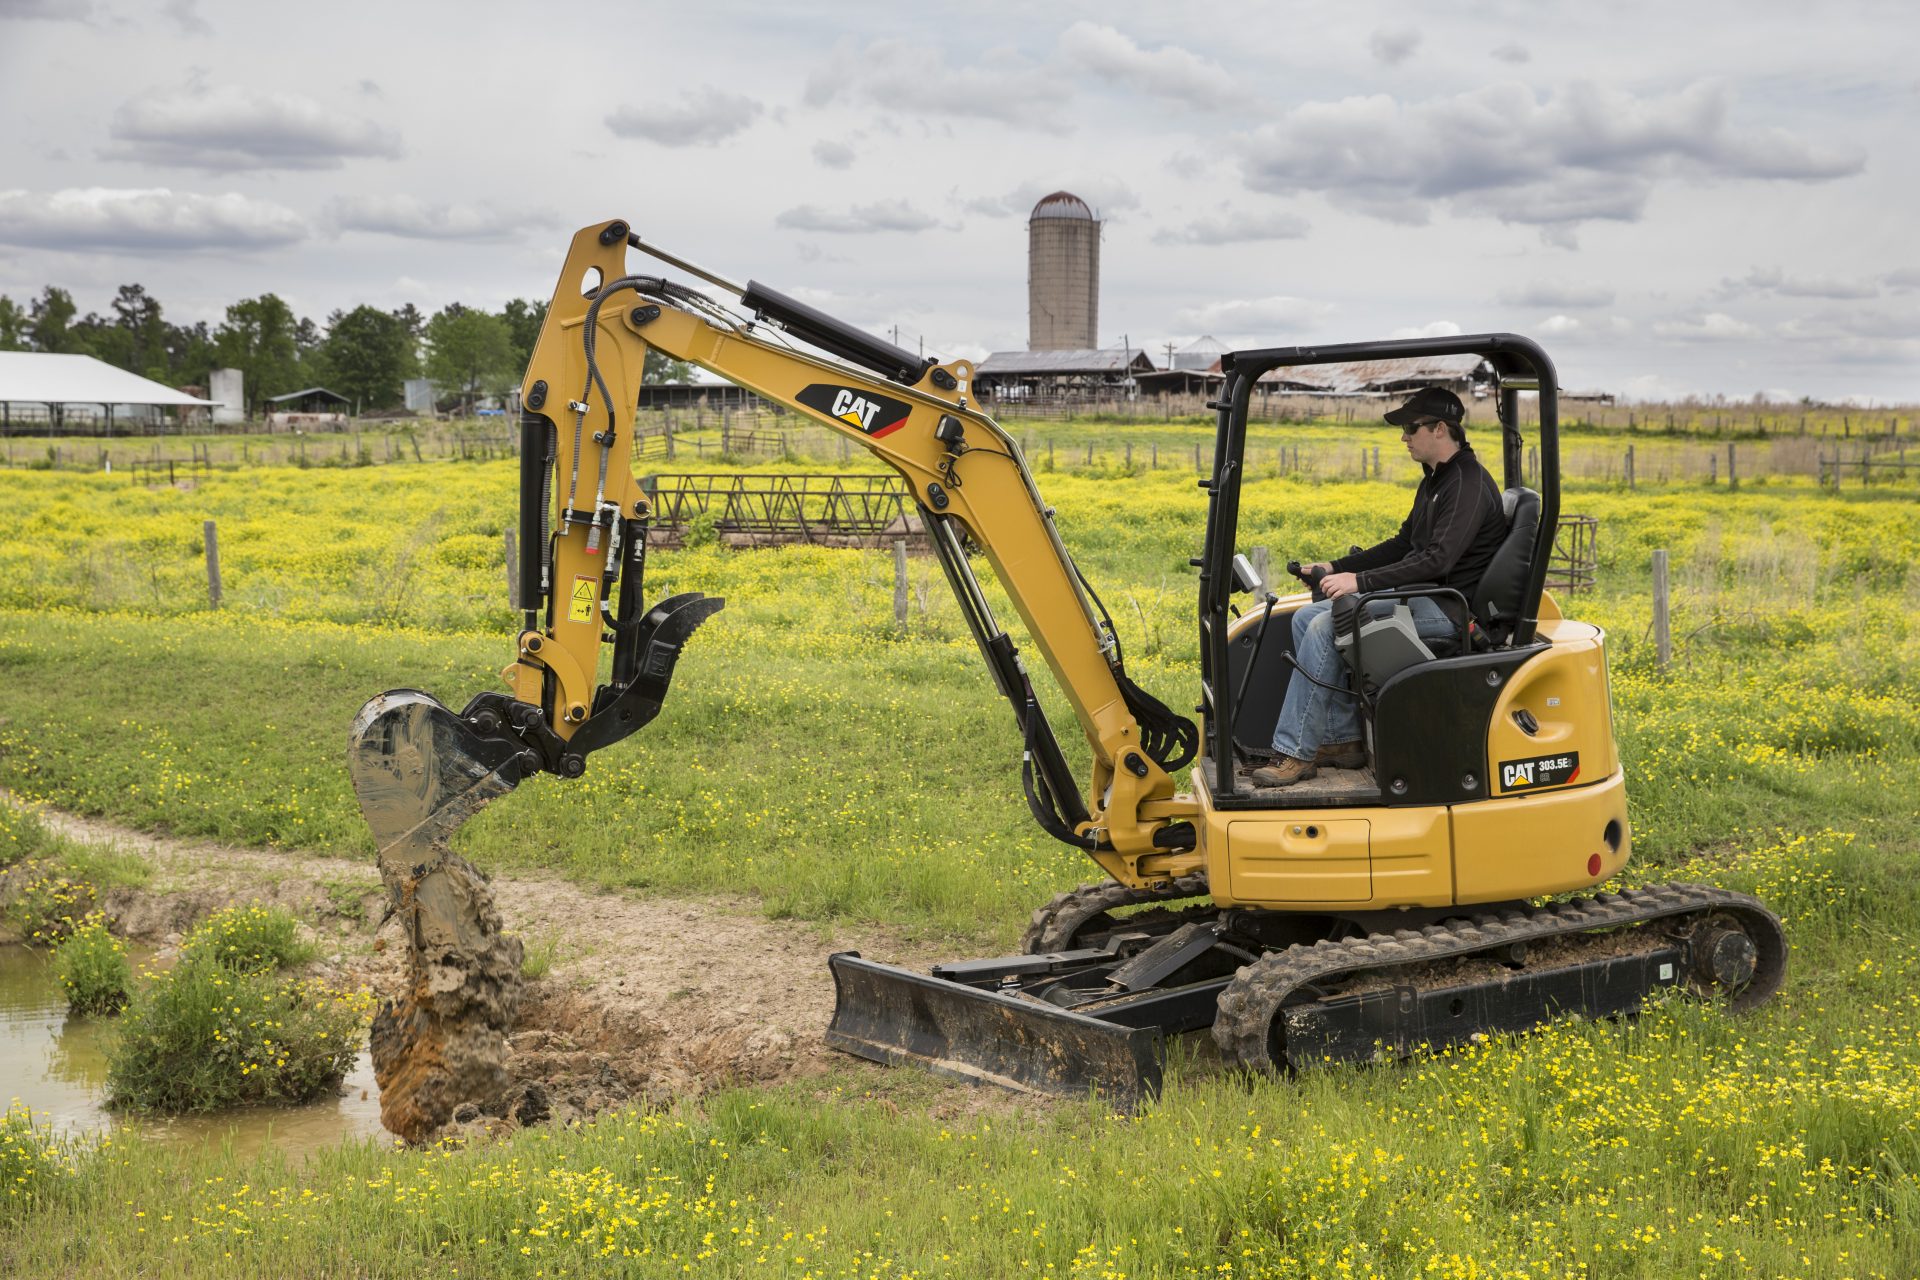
<point x="1412" y="773"/>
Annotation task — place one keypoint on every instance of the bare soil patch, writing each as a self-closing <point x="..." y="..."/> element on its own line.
<point x="646" y="999"/>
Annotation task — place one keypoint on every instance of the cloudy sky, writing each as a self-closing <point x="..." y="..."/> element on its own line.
<point x="1706" y="197"/>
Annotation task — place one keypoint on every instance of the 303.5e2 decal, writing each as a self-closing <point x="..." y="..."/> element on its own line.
<point x="1540" y="771"/>
<point x="866" y="411"/>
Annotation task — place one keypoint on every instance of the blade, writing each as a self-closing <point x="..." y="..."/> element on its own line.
<point x="894" y="1015"/>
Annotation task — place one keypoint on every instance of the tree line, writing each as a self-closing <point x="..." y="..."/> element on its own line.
<point x="365" y="354"/>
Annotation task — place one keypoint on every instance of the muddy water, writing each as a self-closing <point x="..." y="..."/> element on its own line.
<point x="56" y="1065"/>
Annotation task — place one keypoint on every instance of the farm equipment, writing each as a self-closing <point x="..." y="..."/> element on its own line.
<point x="1367" y="912"/>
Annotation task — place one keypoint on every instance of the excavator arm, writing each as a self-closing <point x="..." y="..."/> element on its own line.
<point x="420" y="770"/>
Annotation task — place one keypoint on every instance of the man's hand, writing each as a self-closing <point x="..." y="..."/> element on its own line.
<point x="1319" y="566"/>
<point x="1335" y="585"/>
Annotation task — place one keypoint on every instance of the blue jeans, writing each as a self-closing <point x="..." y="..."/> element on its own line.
<point x="1312" y="715"/>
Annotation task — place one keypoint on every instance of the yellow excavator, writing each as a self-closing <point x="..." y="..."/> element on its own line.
<point x="1364" y="913"/>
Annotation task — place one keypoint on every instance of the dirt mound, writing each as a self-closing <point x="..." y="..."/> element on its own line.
<point x="647" y="998"/>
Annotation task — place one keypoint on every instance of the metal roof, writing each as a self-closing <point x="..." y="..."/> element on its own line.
<point x="44" y="377"/>
<point x="1062" y="204"/>
<point x="310" y="391"/>
<point x="1115" y="360"/>
<point x="1376" y="375"/>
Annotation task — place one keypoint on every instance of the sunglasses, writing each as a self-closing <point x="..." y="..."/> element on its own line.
<point x="1418" y="424"/>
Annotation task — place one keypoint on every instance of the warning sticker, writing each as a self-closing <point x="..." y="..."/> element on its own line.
<point x="586" y="592"/>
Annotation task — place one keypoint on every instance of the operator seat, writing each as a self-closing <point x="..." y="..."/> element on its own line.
<point x="1383" y="647"/>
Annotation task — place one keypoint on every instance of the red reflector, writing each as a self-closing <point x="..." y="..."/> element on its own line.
<point x="1593" y="865"/>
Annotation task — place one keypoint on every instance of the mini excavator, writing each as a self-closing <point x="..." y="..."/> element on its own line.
<point x="1416" y="901"/>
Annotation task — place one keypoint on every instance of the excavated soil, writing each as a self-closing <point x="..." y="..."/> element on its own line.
<point x="647" y="999"/>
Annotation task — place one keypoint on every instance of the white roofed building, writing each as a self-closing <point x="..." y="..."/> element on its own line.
<point x="40" y="387"/>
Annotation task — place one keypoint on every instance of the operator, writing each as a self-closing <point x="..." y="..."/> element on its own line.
<point x="1448" y="539"/>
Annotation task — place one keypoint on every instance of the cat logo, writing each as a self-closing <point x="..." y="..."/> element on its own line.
<point x="865" y="411"/>
<point x="1540" y="771"/>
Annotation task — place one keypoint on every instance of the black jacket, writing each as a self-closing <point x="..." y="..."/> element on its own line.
<point x="1449" y="537"/>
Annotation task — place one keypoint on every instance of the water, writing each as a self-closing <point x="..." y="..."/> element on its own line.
<point x="56" y="1064"/>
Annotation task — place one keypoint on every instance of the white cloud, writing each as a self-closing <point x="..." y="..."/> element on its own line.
<point x="1234" y="226"/>
<point x="1169" y="72"/>
<point x="1432" y="329"/>
<point x="1103" y="194"/>
<point x="914" y="77"/>
<point x="1903" y="280"/>
<point x="1715" y="326"/>
<point x="229" y="128"/>
<point x="704" y="117"/>
<point x="1515" y="53"/>
<point x="1265" y="317"/>
<point x="1558" y="325"/>
<point x="1774" y="280"/>
<point x="95" y="219"/>
<point x="412" y="218"/>
<point x="832" y="155"/>
<point x="46" y="10"/>
<point x="882" y="215"/>
<point x="1559" y="294"/>
<point x="1393" y="47"/>
<point x="1583" y="152"/>
<point x="186" y="16"/>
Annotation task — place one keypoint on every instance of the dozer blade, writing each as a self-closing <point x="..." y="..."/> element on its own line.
<point x="893" y="1015"/>
<point x="420" y="772"/>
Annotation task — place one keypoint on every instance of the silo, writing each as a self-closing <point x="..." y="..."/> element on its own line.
<point x="1063" y="275"/>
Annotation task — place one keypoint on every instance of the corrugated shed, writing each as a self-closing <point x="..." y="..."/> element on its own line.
<point x="1117" y="361"/>
<point x="1378" y="377"/>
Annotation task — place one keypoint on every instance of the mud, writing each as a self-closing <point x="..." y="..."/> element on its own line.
<point x="440" y="1040"/>
<point x="647" y="1000"/>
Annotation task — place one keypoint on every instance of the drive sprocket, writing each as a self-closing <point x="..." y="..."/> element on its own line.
<point x="1070" y="918"/>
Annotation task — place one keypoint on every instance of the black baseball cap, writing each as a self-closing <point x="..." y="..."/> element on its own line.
<point x="1428" y="402"/>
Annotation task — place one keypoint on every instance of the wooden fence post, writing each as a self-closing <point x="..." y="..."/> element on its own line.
<point x="1662" y="617"/>
<point x="1733" y="474"/>
<point x="900" y="583"/>
<point x="513" y="572"/>
<point x="213" y="563"/>
<point x="1629" y="466"/>
<point x="1260" y="555"/>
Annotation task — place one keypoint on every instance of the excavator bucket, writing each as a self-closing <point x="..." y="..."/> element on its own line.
<point x="893" y="1015"/>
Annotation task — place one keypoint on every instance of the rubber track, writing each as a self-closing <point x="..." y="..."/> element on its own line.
<point x="1255" y="997"/>
<point x="1055" y="925"/>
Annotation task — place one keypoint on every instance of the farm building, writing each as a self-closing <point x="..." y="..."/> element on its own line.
<point x="309" y="407"/>
<point x="1051" y="375"/>
<point x="42" y="390"/>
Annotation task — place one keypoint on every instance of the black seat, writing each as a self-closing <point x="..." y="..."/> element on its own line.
<point x="1500" y="598"/>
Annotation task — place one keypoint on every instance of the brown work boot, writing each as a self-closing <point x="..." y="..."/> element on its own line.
<point x="1342" y="755"/>
<point x="1284" y="772"/>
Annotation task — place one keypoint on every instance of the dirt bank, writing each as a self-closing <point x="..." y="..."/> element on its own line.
<point x="646" y="998"/>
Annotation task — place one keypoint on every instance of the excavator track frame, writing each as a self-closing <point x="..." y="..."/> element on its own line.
<point x="1093" y="1020"/>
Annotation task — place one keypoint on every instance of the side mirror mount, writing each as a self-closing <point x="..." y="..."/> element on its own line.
<point x="1244" y="576"/>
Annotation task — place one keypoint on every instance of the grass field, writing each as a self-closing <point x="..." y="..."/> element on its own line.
<point x="817" y="758"/>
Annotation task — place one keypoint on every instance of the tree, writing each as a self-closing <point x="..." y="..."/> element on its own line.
<point x="469" y="351"/>
<point x="51" y="327"/>
<point x="661" y="367"/>
<point x="190" y="353"/>
<point x="366" y="355"/>
<point x="13" y="325"/>
<point x="524" y="319"/>
<point x="258" y="340"/>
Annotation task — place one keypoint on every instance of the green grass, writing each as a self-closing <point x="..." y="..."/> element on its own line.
<point x="811" y="759"/>
<point x="94" y="969"/>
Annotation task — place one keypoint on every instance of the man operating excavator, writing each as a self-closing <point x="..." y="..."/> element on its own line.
<point x="1448" y="539"/>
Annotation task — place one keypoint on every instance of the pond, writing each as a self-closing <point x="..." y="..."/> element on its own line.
<point x="56" y="1065"/>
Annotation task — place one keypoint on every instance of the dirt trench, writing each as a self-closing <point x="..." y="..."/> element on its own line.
<point x="647" y="998"/>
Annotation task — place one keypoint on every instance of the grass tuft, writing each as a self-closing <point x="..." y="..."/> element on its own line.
<point x="93" y="968"/>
